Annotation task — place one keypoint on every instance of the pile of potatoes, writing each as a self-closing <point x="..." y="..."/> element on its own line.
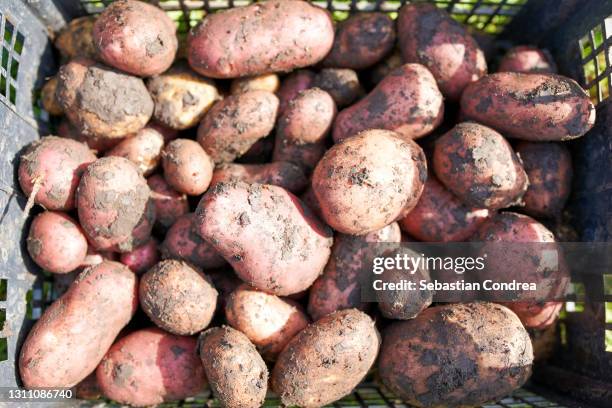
<point x="208" y="206"/>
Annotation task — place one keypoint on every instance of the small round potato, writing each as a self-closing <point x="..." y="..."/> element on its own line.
<point x="149" y="367"/>
<point x="234" y="124"/>
<point x="177" y="297"/>
<point x="265" y="82"/>
<point x="292" y="85"/>
<point x="267" y="320"/>
<point x="479" y="166"/>
<point x="549" y="168"/>
<point x="525" y="58"/>
<point x="361" y="41"/>
<point x="284" y="174"/>
<point x="56" y="242"/>
<point x="102" y="102"/>
<point x="143" y="149"/>
<point x="169" y="203"/>
<point x="181" y="97"/>
<point x="237" y="374"/>
<point x="183" y="242"/>
<point x="341" y="83"/>
<point x="135" y="37"/>
<point x="187" y="167"/>
<point x="325" y="361"/>
<point x="48" y="99"/>
<point x="462" y="354"/>
<point x="142" y="258"/>
<point x="53" y="166"/>
<point x="367" y="181"/>
<point x="76" y="39"/>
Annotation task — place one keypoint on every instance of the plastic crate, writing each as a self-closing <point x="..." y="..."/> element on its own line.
<point x="579" y="34"/>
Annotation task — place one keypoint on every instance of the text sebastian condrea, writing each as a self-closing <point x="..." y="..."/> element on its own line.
<point x="459" y="285"/>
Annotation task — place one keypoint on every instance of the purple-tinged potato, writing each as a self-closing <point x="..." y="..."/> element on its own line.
<point x="462" y="354"/>
<point x="225" y="281"/>
<point x="177" y="297"/>
<point x="143" y="149"/>
<point x="271" y="240"/>
<point x="368" y="181"/>
<point x="303" y="127"/>
<point x="76" y="39"/>
<point x="479" y="166"/>
<point x="56" y="242"/>
<point x="73" y="334"/>
<point x="533" y="107"/>
<point x="339" y="287"/>
<point x="114" y="206"/>
<point x="341" y="83"/>
<point x="428" y="35"/>
<point x="51" y="168"/>
<point x="265" y="82"/>
<point x="326" y="360"/>
<point x="271" y="36"/>
<point x="142" y="258"/>
<point x="187" y="167"/>
<point x="267" y="320"/>
<point x="406" y="101"/>
<point x="312" y="202"/>
<point x="440" y="216"/>
<point x="183" y="242"/>
<point x="259" y="153"/>
<point x="169" y="203"/>
<point x="292" y="85"/>
<point x="149" y="366"/>
<point x="549" y="168"/>
<point x="237" y="374"/>
<point x="361" y="41"/>
<point x="102" y="102"/>
<point x="135" y="37"/>
<point x="528" y="59"/>
<point x="234" y="124"/>
<point x="284" y="174"/>
<point x="378" y="72"/>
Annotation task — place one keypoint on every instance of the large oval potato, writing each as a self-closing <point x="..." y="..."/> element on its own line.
<point x="456" y="355"/>
<point x="428" y="35"/>
<point x="102" y="102"/>
<point x="73" y="334"/>
<point x="114" y="206"/>
<point x="535" y="107"/>
<point x="267" y="320"/>
<point x="149" y="366"/>
<point x="325" y="361"/>
<point x="234" y="124"/>
<point x="479" y="166"/>
<point x="367" y="181"/>
<point x="284" y="174"/>
<point x="271" y="36"/>
<point x="272" y="241"/>
<point x="406" y="101"/>
<point x="237" y="374"/>
<point x="339" y="287"/>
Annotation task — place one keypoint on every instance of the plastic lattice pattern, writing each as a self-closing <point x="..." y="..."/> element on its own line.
<point x="11" y="47"/>
<point x="595" y="49"/>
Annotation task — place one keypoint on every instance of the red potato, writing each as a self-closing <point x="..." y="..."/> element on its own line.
<point x="292" y="85"/>
<point x="284" y="174"/>
<point x="73" y="334"/>
<point x="361" y="41"/>
<point x="149" y="367"/>
<point x="341" y="83"/>
<point x="479" y="166"/>
<point x="549" y="168"/>
<point x="114" y="206"/>
<point x="265" y="82"/>
<point x="267" y="320"/>
<point x="56" y="242"/>
<point x="96" y="144"/>
<point x="142" y="258"/>
<point x="325" y="361"/>
<point x="234" y="124"/>
<point x="428" y="35"/>
<point x="406" y="101"/>
<point x="271" y="240"/>
<point x="135" y="37"/>
<point x="339" y="287"/>
<point x="102" y="102"/>
<point x="183" y="242"/>
<point x="439" y="216"/>
<point x="169" y="203"/>
<point x="47" y="97"/>
<point x="525" y="58"/>
<point x="534" y="107"/>
<point x="177" y="297"/>
<point x="368" y="181"/>
<point x="143" y="149"/>
<point x="225" y="281"/>
<point x="303" y="127"/>
<point x="51" y="168"/>
<point x="273" y="36"/>
<point x="187" y="167"/>
<point x="310" y="199"/>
